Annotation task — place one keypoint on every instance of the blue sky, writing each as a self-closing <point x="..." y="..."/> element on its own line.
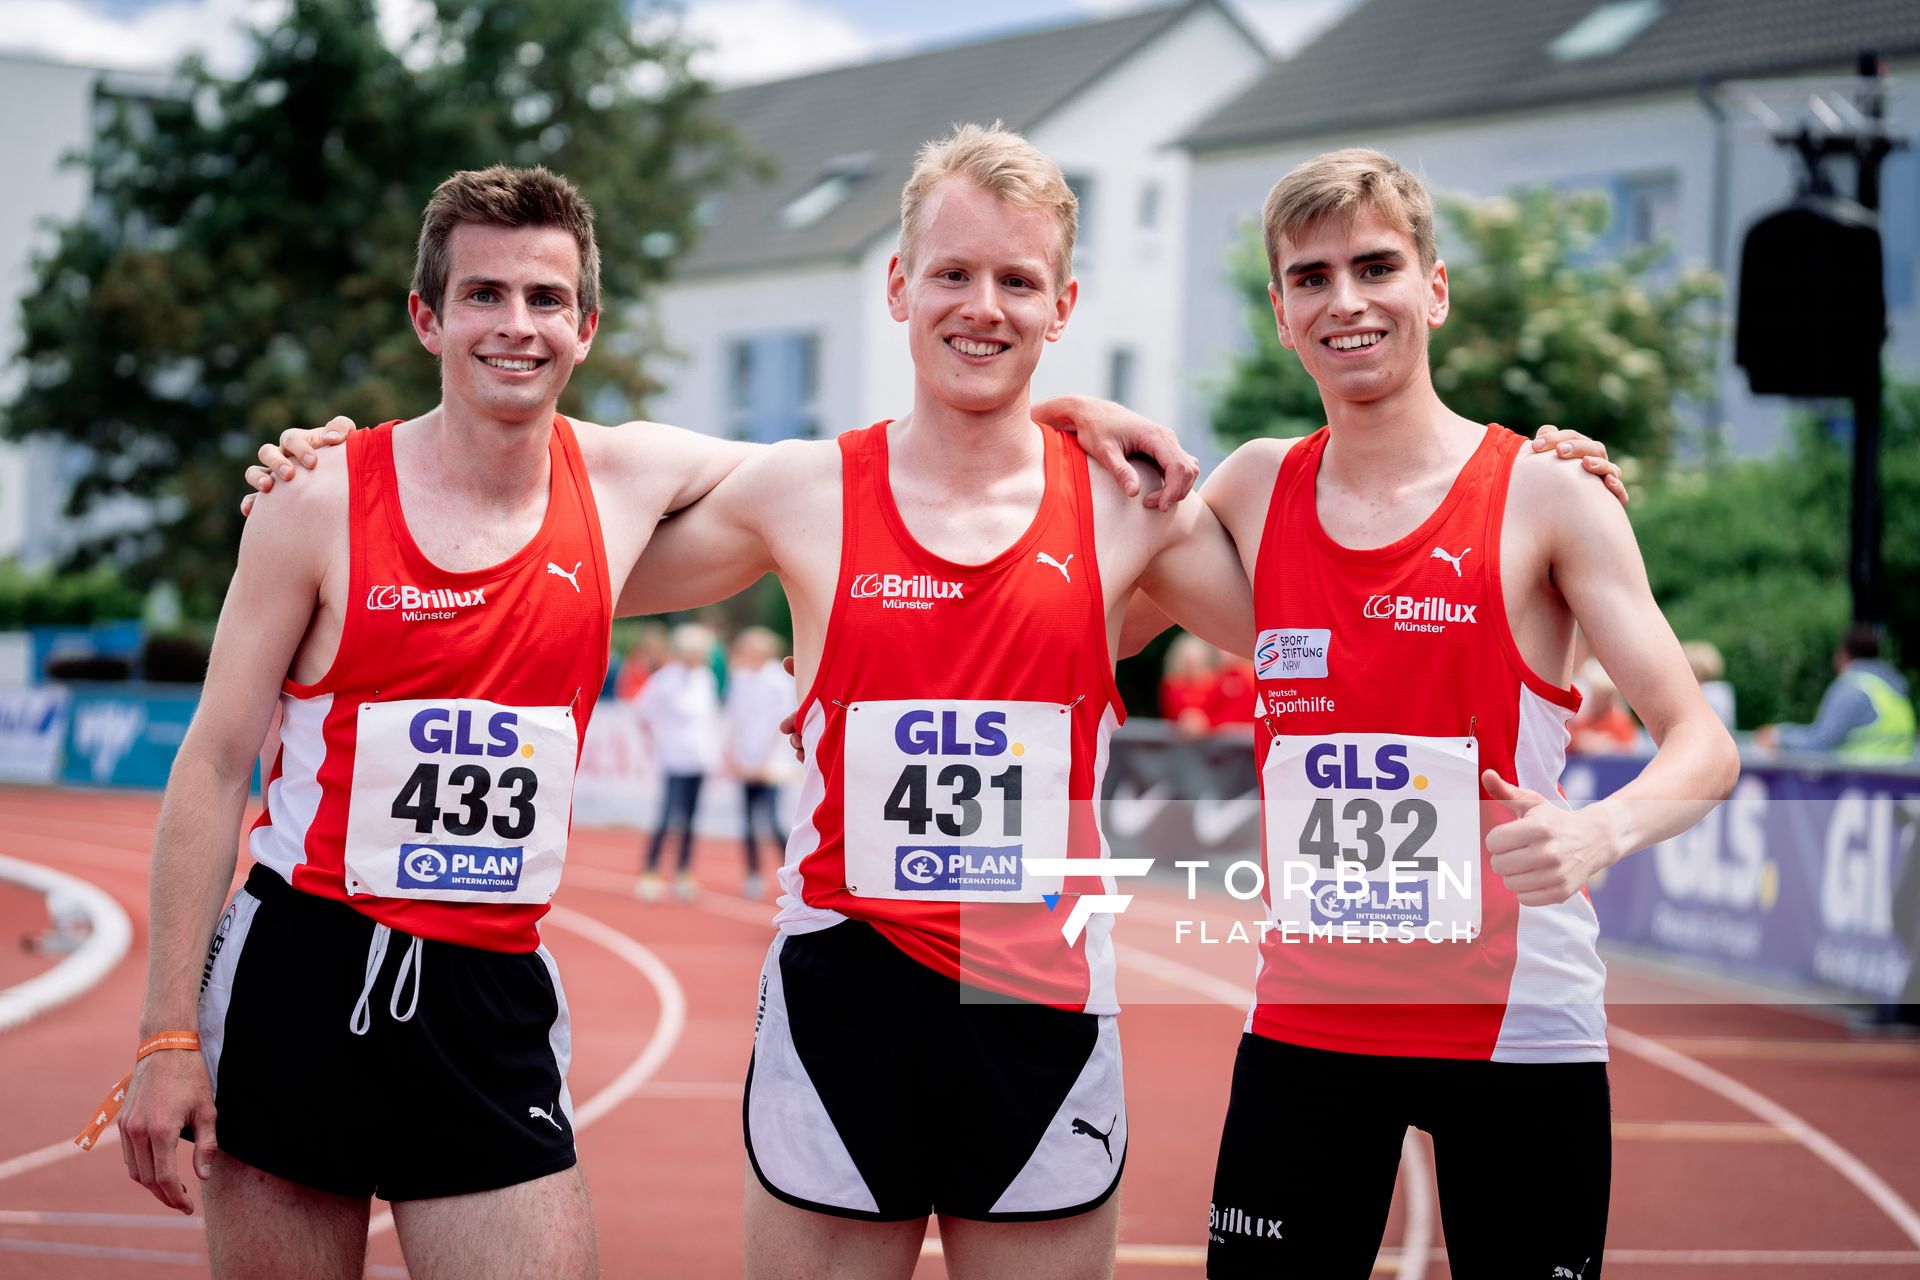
<point x="750" y="39"/>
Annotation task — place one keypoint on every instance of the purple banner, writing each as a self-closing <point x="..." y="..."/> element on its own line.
<point x="1797" y="877"/>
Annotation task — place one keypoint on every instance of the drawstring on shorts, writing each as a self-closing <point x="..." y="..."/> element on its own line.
<point x="413" y="962"/>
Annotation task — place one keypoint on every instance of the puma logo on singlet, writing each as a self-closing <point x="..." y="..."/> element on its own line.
<point x="1061" y="565"/>
<point x="545" y="1114"/>
<point x="1439" y="554"/>
<point x="1081" y="1126"/>
<point x="558" y="572"/>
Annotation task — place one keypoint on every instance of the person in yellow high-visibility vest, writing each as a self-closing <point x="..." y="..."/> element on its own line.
<point x="1866" y="715"/>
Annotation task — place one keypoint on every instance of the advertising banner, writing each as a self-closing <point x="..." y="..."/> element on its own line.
<point x="125" y="735"/>
<point x="33" y="722"/>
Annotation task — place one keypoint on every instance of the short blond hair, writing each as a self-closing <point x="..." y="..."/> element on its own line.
<point x="997" y="160"/>
<point x="1339" y="184"/>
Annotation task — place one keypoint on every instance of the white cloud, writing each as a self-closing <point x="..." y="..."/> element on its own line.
<point x="158" y="35"/>
<point x="150" y="40"/>
<point x="753" y="40"/>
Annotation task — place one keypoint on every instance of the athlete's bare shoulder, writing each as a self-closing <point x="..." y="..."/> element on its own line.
<point x="1241" y="486"/>
<point x="650" y="455"/>
<point x="321" y="494"/>
<point x="788" y="480"/>
<point x="1545" y="490"/>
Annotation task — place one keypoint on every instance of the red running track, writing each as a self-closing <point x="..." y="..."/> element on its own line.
<point x="1751" y="1141"/>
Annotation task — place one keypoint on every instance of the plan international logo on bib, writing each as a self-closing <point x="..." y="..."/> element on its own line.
<point x="910" y="591"/>
<point x="416" y="605"/>
<point x="453" y="866"/>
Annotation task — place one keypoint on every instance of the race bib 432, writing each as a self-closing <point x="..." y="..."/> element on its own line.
<point x="1374" y="836"/>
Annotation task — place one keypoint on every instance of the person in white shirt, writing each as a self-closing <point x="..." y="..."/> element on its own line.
<point x="679" y="712"/>
<point x="759" y="696"/>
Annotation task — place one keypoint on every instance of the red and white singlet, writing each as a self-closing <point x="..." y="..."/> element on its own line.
<point x="427" y="778"/>
<point x="958" y="723"/>
<point x="1388" y="679"/>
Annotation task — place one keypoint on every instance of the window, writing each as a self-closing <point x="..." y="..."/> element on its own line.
<point x="1606" y="30"/>
<point x="829" y="191"/>
<point x="1082" y="187"/>
<point x="773" y="386"/>
<point x="1149" y="206"/>
<point x="1646" y="208"/>
<point x="1120" y="375"/>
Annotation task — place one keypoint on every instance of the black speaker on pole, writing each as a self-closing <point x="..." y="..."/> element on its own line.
<point x="1813" y="309"/>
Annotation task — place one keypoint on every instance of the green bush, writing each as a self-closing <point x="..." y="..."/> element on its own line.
<point x="67" y="600"/>
<point x="1752" y="555"/>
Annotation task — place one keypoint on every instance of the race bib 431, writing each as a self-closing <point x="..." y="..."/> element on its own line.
<point x="460" y="800"/>
<point x="943" y="798"/>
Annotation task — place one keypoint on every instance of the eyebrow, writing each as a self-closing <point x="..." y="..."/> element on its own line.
<point x="482" y="282"/>
<point x="1391" y="256"/>
<point x="1035" y="269"/>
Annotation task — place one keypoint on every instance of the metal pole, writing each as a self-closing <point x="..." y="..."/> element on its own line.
<point x="1863" y="561"/>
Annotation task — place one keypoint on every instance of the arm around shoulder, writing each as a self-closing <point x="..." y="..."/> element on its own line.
<point x="718" y="546"/>
<point x="685" y="463"/>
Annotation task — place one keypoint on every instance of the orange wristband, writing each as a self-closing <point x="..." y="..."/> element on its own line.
<point x="110" y="1107"/>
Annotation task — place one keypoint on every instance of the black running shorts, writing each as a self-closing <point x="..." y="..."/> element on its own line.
<point x="876" y="1092"/>
<point x="467" y="1093"/>
<point x="1523" y="1154"/>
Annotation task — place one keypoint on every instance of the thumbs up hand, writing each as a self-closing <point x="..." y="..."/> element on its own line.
<point x="1546" y="853"/>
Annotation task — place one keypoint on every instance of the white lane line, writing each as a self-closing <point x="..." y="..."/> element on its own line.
<point x="143" y="1221"/>
<point x="1842" y="1161"/>
<point x="620" y="885"/>
<point x="666" y="1033"/>
<point x="107" y="940"/>
<point x="53" y="1153"/>
<point x="63" y="1248"/>
<point x="1413" y="1157"/>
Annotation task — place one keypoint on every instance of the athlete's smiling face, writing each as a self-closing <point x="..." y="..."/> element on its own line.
<point x="1353" y="299"/>
<point x="509" y="330"/>
<point x="981" y="297"/>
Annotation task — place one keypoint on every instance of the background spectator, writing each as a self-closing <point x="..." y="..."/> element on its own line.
<point x="1186" y="684"/>
<point x="1230" y="703"/>
<point x="1604" y="724"/>
<point x="1866" y="714"/>
<point x="759" y="695"/>
<point x="679" y="712"/>
<point x="1710" y="669"/>
<point x="651" y="650"/>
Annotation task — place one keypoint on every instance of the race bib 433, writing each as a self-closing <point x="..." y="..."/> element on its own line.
<point x="944" y="797"/>
<point x="460" y="800"/>
<point x="1374" y="836"/>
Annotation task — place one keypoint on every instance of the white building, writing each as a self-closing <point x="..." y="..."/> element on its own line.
<point x="59" y="100"/>
<point x="1484" y="96"/>
<point x="65" y="105"/>
<point x="780" y="311"/>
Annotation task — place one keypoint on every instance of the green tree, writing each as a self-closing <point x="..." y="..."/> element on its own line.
<point x="1541" y="330"/>
<point x="244" y="267"/>
<point x="1751" y="555"/>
